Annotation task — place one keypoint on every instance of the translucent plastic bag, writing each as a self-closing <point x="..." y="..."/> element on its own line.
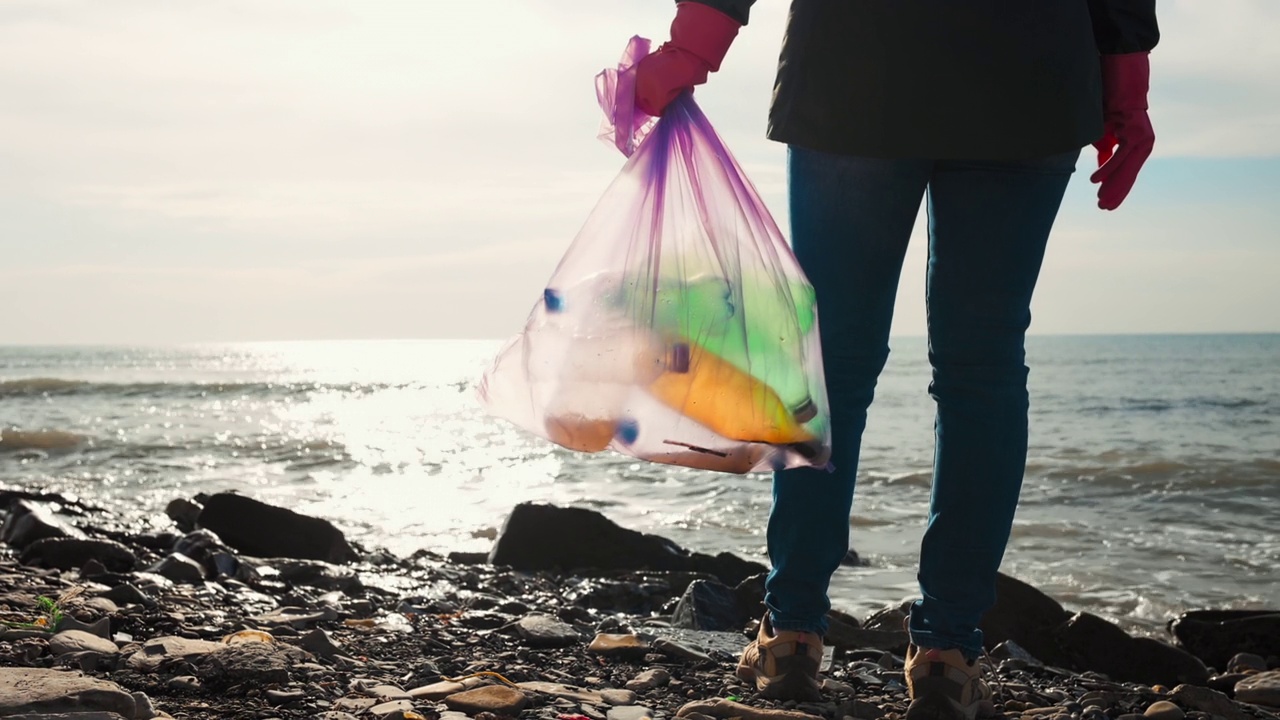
<point x="678" y="327"/>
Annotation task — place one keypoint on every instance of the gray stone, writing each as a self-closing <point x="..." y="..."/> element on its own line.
<point x="1260" y="689"/>
<point x="73" y="553"/>
<point x="567" y="692"/>
<point x="157" y="651"/>
<point x="648" y="680"/>
<point x="682" y="652"/>
<point x="497" y="699"/>
<point x="261" y="530"/>
<point x="618" y="697"/>
<point x="284" y="697"/>
<point x="28" y="522"/>
<point x="708" y="605"/>
<point x="128" y="594"/>
<point x="36" y="690"/>
<point x="1210" y="701"/>
<point x="629" y="712"/>
<point x="388" y="708"/>
<point x="297" y="617"/>
<point x="318" y="642"/>
<point x="70" y="641"/>
<point x="385" y="693"/>
<point x="100" y="627"/>
<point x="180" y="569"/>
<point x="540" y="630"/>
<point x="145" y="708"/>
<point x="184" y="682"/>
<point x="183" y="513"/>
<point x="257" y="662"/>
<point x="441" y="690"/>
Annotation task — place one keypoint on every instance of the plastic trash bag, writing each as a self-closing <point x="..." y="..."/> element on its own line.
<point x="678" y="328"/>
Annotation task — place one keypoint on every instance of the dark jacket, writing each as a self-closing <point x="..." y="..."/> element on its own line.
<point x="947" y="79"/>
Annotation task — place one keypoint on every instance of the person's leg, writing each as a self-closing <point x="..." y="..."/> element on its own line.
<point x="851" y="220"/>
<point x="988" y="226"/>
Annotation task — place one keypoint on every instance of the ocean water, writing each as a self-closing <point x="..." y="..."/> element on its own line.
<point x="1153" y="484"/>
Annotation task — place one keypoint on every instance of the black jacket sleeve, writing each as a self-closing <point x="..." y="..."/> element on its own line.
<point x="736" y="9"/>
<point x="1124" y="26"/>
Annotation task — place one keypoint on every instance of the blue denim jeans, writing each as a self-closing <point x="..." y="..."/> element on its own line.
<point x="851" y="218"/>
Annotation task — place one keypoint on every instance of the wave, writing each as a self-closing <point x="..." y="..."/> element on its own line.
<point x="14" y="440"/>
<point x="46" y="387"/>
<point x="1150" y="405"/>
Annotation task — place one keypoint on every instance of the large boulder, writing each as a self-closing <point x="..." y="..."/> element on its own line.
<point x="26" y="522"/>
<point x="708" y="605"/>
<point x="1026" y="616"/>
<point x="1093" y="643"/>
<point x="39" y="692"/>
<point x="1215" y="636"/>
<point x="261" y="530"/>
<point x="546" y="537"/>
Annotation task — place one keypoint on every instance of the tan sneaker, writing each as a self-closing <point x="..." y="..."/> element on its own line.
<point x="945" y="686"/>
<point x="783" y="664"/>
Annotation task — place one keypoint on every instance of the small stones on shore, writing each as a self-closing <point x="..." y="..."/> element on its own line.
<point x="648" y="680"/>
<point x="496" y="699"/>
<point x="544" y="631"/>
<point x="1164" y="710"/>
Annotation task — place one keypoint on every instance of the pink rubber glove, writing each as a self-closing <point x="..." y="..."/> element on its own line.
<point x="1128" y="137"/>
<point x="700" y="37"/>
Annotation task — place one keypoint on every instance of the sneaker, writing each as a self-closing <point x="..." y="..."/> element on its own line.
<point x="783" y="664"/>
<point x="944" y="685"/>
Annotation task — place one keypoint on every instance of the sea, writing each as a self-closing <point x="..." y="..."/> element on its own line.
<point x="1152" y="486"/>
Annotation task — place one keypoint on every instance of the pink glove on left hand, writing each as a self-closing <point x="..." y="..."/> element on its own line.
<point x="700" y="38"/>
<point x="1128" y="137"/>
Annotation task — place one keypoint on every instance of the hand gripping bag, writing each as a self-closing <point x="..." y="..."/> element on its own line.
<point x="678" y="327"/>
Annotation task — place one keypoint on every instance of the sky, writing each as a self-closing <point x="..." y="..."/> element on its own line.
<point x="304" y="169"/>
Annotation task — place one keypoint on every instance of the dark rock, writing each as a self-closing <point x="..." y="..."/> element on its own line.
<point x="262" y="530"/>
<point x="674" y="649"/>
<point x="100" y="627"/>
<point x="1261" y="688"/>
<point x="1209" y="701"/>
<point x="127" y="594"/>
<point x="28" y="522"/>
<point x="284" y="697"/>
<point x="72" y="553"/>
<point x="708" y="605"/>
<point x="318" y="642"/>
<point x="750" y="596"/>
<point x="851" y="559"/>
<point x="1241" y="662"/>
<point x="180" y="569"/>
<point x="296" y="617"/>
<point x="1096" y="644"/>
<point x="1013" y="651"/>
<point x="539" y="630"/>
<point x="1026" y="616"/>
<point x="39" y="691"/>
<point x="468" y="558"/>
<point x="183" y="513"/>
<point x="546" y="537"/>
<point x="1215" y="635"/>
<point x="252" y="662"/>
<point x="316" y="574"/>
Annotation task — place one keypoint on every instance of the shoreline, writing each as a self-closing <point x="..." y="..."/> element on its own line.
<point x="243" y="610"/>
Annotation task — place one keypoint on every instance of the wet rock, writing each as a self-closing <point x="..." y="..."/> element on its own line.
<point x="36" y="691"/>
<point x="28" y="522"/>
<point x="629" y="712"/>
<point x="157" y="651"/>
<point x="674" y="649"/>
<point x="296" y="617"/>
<point x="1209" y="701"/>
<point x="618" y="645"/>
<point x="1163" y="710"/>
<point x="262" y="530"/>
<point x="708" y="605"/>
<point x="183" y="513"/>
<point x="317" y="642"/>
<point x="750" y="596"/>
<point x="180" y="569"/>
<point x="539" y="630"/>
<point x="1093" y="643"/>
<point x="497" y="699"/>
<point x="1026" y="616"/>
<point x="1243" y="662"/>
<point x="73" y="553"/>
<point x="1215" y="636"/>
<point x="546" y="537"/>
<point x="1013" y="651"/>
<point x="71" y="641"/>
<point x="648" y="680"/>
<point x="1260" y="689"/>
<point x="128" y="594"/>
<point x="730" y="709"/>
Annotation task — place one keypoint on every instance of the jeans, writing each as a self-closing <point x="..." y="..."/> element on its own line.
<point x="851" y="218"/>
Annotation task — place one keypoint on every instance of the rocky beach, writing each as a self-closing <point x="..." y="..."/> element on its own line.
<point x="233" y="608"/>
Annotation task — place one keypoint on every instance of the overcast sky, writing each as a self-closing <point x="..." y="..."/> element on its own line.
<point x="273" y="170"/>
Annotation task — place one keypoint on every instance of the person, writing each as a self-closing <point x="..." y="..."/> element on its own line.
<point x="981" y="107"/>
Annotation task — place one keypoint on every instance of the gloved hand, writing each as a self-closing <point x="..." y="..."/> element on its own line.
<point x="1128" y="137"/>
<point x="700" y="37"/>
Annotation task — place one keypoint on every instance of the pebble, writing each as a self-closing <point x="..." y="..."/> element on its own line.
<point x="183" y="682"/>
<point x="618" y="697"/>
<point x="1242" y="662"/>
<point x="284" y="697"/>
<point x="1164" y="710"/>
<point x="649" y="679"/>
<point x="539" y="630"/>
<point x="441" y="690"/>
<point x="70" y="641"/>
<point x="388" y="708"/>
<point x="629" y="712"/>
<point x="1260" y="689"/>
<point x="497" y="699"/>
<point x="1210" y="701"/>
<point x="617" y="644"/>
